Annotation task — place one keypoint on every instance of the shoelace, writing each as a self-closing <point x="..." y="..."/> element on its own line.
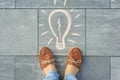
<point x="47" y="62"/>
<point x="72" y="60"/>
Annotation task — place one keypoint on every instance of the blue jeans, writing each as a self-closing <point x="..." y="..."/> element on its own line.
<point x="52" y="75"/>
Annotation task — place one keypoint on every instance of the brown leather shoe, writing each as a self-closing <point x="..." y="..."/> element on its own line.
<point x="75" y="57"/>
<point x="74" y="61"/>
<point x="46" y="60"/>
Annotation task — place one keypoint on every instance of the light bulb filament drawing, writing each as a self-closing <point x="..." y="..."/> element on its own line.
<point x="59" y="27"/>
<point x="60" y="39"/>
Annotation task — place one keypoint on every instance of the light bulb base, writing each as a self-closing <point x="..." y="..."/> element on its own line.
<point x="60" y="45"/>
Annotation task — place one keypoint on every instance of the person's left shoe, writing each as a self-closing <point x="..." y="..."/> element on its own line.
<point x="46" y="60"/>
<point x="74" y="61"/>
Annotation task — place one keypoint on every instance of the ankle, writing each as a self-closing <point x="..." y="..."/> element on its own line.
<point x="71" y="69"/>
<point x="50" y="67"/>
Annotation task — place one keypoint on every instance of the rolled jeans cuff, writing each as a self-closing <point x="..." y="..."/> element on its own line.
<point x="52" y="75"/>
<point x="70" y="77"/>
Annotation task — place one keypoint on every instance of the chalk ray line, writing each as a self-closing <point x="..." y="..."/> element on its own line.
<point x="77" y="25"/>
<point x="77" y="16"/>
<point x="55" y="2"/>
<point x="72" y="41"/>
<point x="44" y="11"/>
<point x="49" y="42"/>
<point x="41" y="25"/>
<point x="75" y="34"/>
<point x="65" y="1"/>
<point x="44" y="33"/>
<point x="71" y="10"/>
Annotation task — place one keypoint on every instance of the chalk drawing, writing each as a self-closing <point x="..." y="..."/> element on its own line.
<point x="77" y="25"/>
<point x="75" y="34"/>
<point x="112" y="0"/>
<point x="59" y="29"/>
<point x="71" y="10"/>
<point x="41" y="25"/>
<point x="50" y="41"/>
<point x="55" y="2"/>
<point x="65" y="1"/>
<point x="44" y="33"/>
<point x="77" y="16"/>
<point x="60" y="45"/>
<point x="72" y="41"/>
<point x="44" y="11"/>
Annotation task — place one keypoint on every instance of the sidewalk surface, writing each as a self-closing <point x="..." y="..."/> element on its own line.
<point x="28" y="25"/>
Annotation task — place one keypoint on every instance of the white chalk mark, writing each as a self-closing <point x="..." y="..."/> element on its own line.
<point x="72" y="41"/>
<point x="60" y="45"/>
<point x="65" y="1"/>
<point x="55" y="2"/>
<point x="77" y="25"/>
<point x="112" y="0"/>
<point x="49" y="42"/>
<point x="71" y="10"/>
<point x="44" y="11"/>
<point x="59" y="29"/>
<point x="75" y="34"/>
<point x="77" y="16"/>
<point x="41" y="25"/>
<point x="44" y="33"/>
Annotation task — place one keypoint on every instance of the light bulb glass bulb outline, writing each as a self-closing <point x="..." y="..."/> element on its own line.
<point x="69" y="20"/>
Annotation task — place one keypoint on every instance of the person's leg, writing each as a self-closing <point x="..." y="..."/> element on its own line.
<point x="73" y="64"/>
<point x="70" y="77"/>
<point x="47" y="64"/>
<point x="52" y="75"/>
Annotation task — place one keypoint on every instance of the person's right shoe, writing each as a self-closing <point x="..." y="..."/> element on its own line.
<point x="47" y="61"/>
<point x="74" y="61"/>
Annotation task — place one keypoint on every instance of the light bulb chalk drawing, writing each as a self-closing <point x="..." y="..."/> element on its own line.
<point x="73" y="34"/>
<point x="60" y="45"/>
